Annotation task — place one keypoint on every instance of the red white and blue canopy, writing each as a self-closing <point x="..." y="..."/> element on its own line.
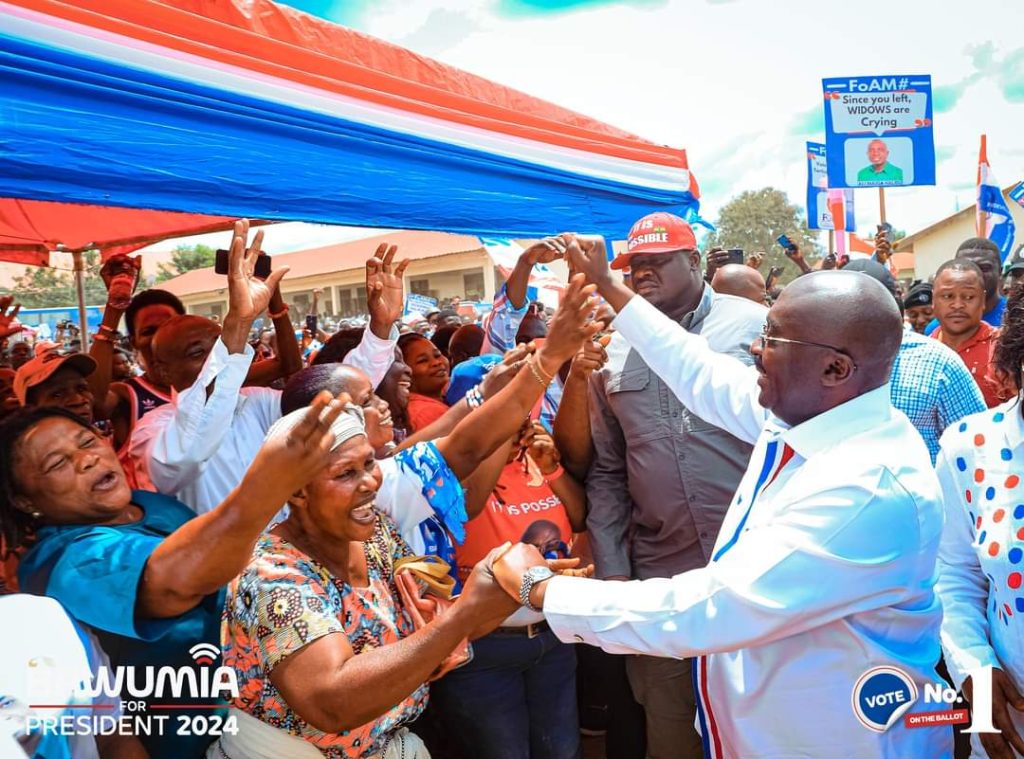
<point x="233" y="108"/>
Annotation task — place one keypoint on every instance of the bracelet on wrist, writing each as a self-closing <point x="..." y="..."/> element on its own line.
<point x="538" y="372"/>
<point x="555" y="474"/>
<point x="107" y="330"/>
<point x="279" y="314"/>
<point x="474" y="398"/>
<point x="103" y="337"/>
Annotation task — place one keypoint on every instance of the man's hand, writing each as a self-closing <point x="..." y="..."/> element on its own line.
<point x="570" y="325"/>
<point x="590" y="358"/>
<point x="588" y="256"/>
<point x="7" y="326"/>
<point x="828" y="262"/>
<point x="544" y="252"/>
<point x="541" y="448"/>
<point x="384" y="292"/>
<point x="248" y="296"/>
<point x="1004" y="695"/>
<point x="755" y="259"/>
<point x="883" y="247"/>
<point x="118" y="265"/>
<point x="716" y="258"/>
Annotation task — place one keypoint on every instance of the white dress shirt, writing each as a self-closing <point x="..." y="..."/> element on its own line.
<point x="981" y="558"/>
<point x="197" y="448"/>
<point x="824" y="568"/>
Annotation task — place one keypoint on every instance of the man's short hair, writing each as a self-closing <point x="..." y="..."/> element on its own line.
<point x="980" y="243"/>
<point x="961" y="264"/>
<point x="151" y="297"/>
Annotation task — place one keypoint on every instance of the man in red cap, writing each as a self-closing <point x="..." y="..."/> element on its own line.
<point x="662" y="478"/>
<point x="57" y="379"/>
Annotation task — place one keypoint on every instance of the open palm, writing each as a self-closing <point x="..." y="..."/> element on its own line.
<point x="248" y="296"/>
<point x="385" y="294"/>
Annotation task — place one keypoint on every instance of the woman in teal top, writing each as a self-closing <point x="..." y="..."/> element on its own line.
<point x="140" y="569"/>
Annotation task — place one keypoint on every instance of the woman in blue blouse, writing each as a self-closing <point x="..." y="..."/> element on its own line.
<point x="141" y="569"/>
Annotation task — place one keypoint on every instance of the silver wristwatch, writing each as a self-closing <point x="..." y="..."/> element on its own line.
<point x="531" y="577"/>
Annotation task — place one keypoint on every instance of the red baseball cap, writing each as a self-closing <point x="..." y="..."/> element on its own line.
<point x="658" y="232"/>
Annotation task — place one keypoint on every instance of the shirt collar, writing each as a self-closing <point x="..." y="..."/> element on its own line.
<point x="695" y="317"/>
<point x="837" y="424"/>
<point x="984" y="332"/>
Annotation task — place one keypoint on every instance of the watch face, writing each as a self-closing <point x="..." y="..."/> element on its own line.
<point x="539" y="573"/>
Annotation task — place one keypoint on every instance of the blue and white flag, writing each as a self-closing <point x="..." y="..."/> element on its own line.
<point x="993" y="220"/>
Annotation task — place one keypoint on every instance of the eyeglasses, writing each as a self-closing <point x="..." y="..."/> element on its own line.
<point x="767" y="339"/>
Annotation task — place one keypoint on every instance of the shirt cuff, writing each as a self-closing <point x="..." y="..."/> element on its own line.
<point x="567" y="602"/>
<point x="375" y="343"/>
<point x="220" y="360"/>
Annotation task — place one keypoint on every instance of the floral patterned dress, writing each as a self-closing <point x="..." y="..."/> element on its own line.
<point x="285" y="600"/>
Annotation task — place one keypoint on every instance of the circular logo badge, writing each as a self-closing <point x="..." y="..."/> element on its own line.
<point x="881" y="696"/>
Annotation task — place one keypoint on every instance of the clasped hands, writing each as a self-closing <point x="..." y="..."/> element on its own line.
<point x="493" y="587"/>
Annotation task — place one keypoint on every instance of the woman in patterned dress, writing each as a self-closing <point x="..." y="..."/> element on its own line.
<point x="329" y="568"/>
<point x="981" y="559"/>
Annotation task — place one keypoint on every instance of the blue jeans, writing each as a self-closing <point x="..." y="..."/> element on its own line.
<point x="515" y="700"/>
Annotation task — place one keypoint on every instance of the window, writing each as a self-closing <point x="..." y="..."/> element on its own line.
<point x="473" y="284"/>
<point x="360" y="301"/>
<point x="419" y="286"/>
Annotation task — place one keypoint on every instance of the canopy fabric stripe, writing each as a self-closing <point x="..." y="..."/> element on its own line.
<point x="245" y="108"/>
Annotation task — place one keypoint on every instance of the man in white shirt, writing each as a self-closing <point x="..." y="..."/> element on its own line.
<point x="825" y="565"/>
<point x="197" y="447"/>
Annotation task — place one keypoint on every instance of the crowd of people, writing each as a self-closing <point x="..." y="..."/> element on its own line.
<point x="742" y="496"/>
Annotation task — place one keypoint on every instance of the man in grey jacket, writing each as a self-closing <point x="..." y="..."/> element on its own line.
<point x="662" y="478"/>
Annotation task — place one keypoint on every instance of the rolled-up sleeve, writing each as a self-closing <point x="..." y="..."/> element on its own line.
<point x="373" y="355"/>
<point x="502" y="323"/>
<point x="175" y="445"/>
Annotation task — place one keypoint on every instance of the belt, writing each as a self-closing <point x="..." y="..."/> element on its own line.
<point x="530" y="631"/>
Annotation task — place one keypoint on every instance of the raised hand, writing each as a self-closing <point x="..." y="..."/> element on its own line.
<point x="716" y="258"/>
<point x="883" y="246"/>
<point x="571" y="324"/>
<point x="588" y="255"/>
<point x="385" y="295"/>
<point x="544" y="252"/>
<point x="248" y="296"/>
<point x="7" y="326"/>
<point x="591" y="357"/>
<point x="755" y="259"/>
<point x="501" y="374"/>
<point x="116" y="265"/>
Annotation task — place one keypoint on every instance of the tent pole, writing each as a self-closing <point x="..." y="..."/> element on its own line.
<point x="83" y="323"/>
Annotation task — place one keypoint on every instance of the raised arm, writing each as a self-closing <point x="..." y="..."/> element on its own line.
<point x="207" y="552"/>
<point x="174" y="453"/>
<point x="502" y="323"/>
<point x="497" y="420"/>
<point x="102" y="348"/>
<point x="718" y="388"/>
<point x="385" y="300"/>
<point x="571" y="431"/>
<point x="288" y="358"/>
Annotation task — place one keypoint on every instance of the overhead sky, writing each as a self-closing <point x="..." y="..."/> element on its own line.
<point x="738" y="82"/>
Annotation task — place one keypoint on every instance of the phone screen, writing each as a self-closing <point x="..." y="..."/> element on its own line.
<point x="735" y="255"/>
<point x="785" y="242"/>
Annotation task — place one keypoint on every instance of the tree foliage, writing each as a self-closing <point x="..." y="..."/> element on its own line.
<point x="753" y="221"/>
<point x="46" y="287"/>
<point x="186" y="258"/>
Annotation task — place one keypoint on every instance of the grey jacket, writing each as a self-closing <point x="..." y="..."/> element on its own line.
<point x="662" y="478"/>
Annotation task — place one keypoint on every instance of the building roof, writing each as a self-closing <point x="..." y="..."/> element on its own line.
<point x="907" y="243"/>
<point x="336" y="258"/>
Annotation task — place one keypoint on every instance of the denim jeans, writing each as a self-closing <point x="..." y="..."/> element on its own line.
<point x="515" y="700"/>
